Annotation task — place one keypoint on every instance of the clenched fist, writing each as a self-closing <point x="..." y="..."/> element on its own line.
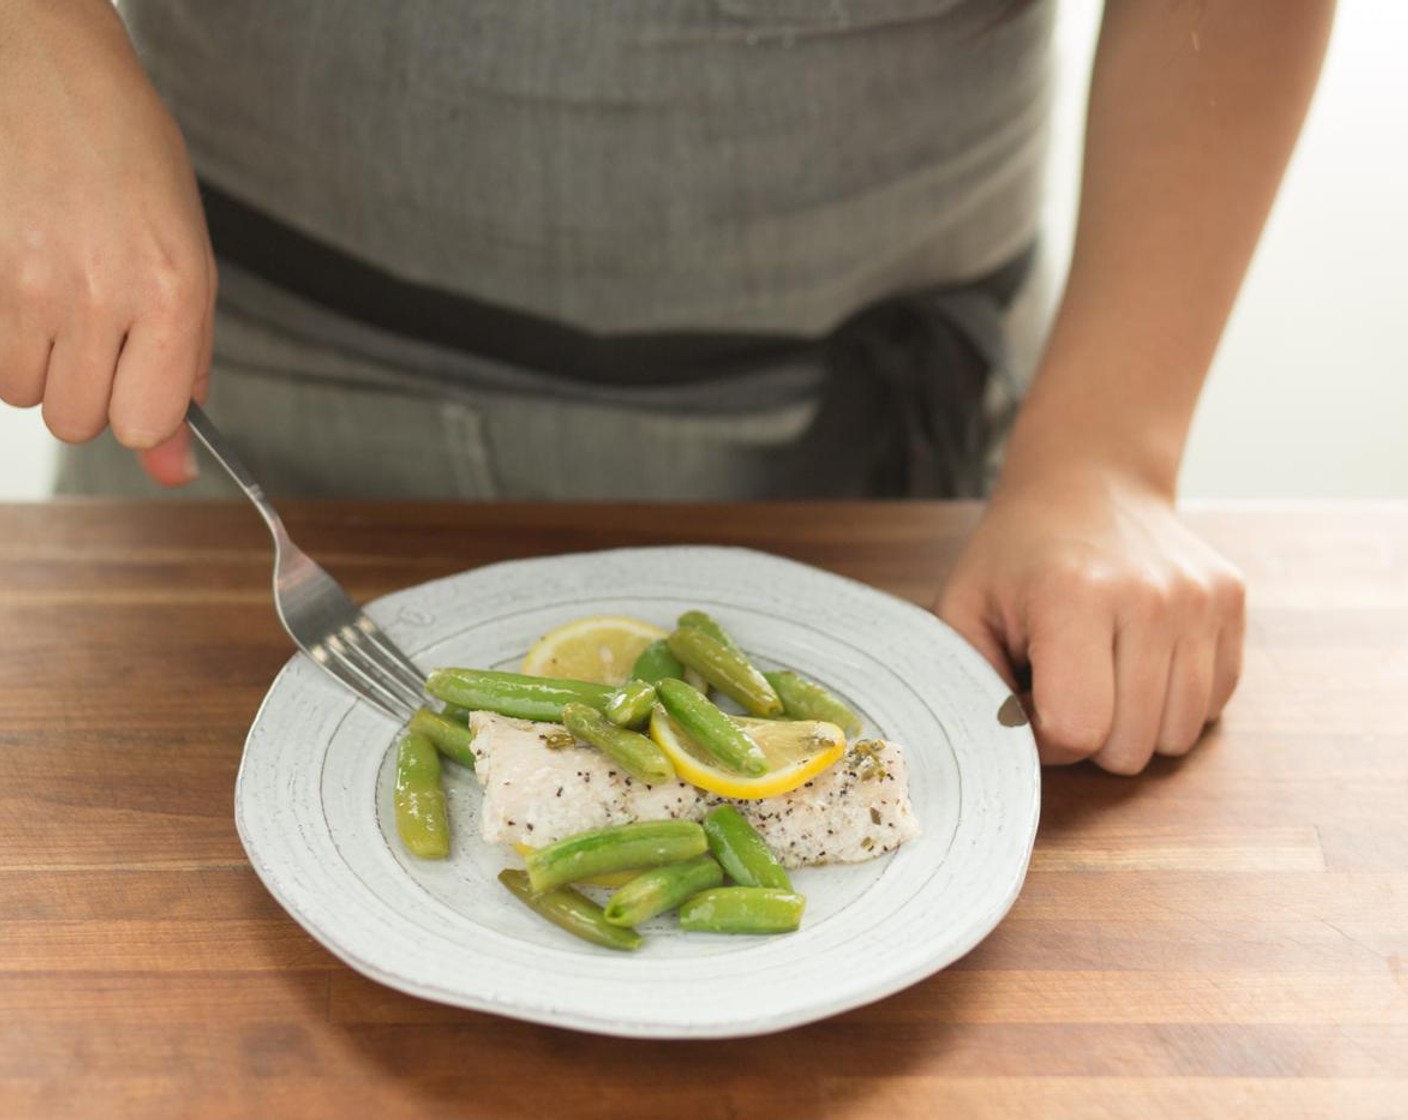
<point x="107" y="282"/>
<point x="1131" y="627"/>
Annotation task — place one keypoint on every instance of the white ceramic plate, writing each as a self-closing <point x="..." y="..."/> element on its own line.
<point x="313" y="806"/>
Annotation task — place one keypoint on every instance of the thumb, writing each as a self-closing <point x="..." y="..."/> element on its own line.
<point x="172" y="462"/>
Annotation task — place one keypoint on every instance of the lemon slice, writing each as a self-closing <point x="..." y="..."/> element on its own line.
<point x="601" y="648"/>
<point x="796" y="750"/>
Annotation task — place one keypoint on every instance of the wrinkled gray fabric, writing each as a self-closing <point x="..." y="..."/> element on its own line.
<point x="315" y="420"/>
<point x="634" y="165"/>
<point x="626" y="165"/>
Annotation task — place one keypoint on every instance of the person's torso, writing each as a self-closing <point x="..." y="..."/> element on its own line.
<point x="629" y="165"/>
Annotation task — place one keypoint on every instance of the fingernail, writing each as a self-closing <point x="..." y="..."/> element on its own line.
<point x="192" y="466"/>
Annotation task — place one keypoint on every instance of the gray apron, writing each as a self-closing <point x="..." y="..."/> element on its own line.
<point x="854" y="182"/>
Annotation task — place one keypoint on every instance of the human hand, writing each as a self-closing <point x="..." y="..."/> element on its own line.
<point x="107" y="281"/>
<point x="1130" y="625"/>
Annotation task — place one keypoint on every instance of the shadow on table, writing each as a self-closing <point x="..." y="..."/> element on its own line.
<point x="400" y="1051"/>
<point x="1076" y="798"/>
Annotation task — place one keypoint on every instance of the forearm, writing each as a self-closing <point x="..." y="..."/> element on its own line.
<point x="1194" y="111"/>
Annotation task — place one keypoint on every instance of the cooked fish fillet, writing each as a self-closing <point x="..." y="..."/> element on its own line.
<point x="535" y="794"/>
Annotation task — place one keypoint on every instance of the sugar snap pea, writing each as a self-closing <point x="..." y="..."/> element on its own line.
<point x="641" y="844"/>
<point x="633" y="752"/>
<point x="421" y="819"/>
<point x="804" y="699"/>
<point x="514" y="694"/>
<point x="571" y="911"/>
<point x="711" y="728"/>
<point x="662" y="888"/>
<point x="726" y="669"/>
<point x="655" y="663"/>
<point x="608" y="879"/>
<point x="629" y="705"/>
<point x="699" y="620"/>
<point x="456" y="713"/>
<point x="741" y="851"/>
<point x="743" y="910"/>
<point x="450" y="738"/>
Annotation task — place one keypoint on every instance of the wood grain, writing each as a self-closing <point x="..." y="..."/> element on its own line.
<point x="1225" y="936"/>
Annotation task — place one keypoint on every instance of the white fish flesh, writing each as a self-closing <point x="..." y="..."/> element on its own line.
<point x="535" y="794"/>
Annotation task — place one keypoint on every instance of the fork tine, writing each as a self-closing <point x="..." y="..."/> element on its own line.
<point x="355" y="650"/>
<point x="331" y="655"/>
<point x="390" y="654"/>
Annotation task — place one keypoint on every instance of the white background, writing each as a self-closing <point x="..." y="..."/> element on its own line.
<point x="1308" y="397"/>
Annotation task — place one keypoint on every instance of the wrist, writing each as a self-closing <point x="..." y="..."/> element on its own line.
<point x="1113" y="396"/>
<point x="1075" y="441"/>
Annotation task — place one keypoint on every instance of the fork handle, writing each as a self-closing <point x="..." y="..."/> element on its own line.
<point x="225" y="455"/>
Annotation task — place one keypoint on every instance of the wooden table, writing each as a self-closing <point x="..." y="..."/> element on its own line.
<point x="1226" y="936"/>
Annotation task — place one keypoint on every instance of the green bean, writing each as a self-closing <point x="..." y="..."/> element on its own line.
<point x="634" y="753"/>
<point x="743" y="853"/>
<point x="662" y="888"/>
<point x="804" y="699"/>
<point x="570" y="910"/>
<point x="698" y="620"/>
<point x="743" y="910"/>
<point x="711" y="729"/>
<point x="450" y="738"/>
<point x="727" y="670"/>
<point x="629" y="705"/>
<point x="641" y="844"/>
<point x="419" y="799"/>
<point x="514" y="694"/>
<point x="655" y="663"/>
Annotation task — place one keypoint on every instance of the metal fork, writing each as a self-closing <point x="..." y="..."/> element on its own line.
<point x="317" y="613"/>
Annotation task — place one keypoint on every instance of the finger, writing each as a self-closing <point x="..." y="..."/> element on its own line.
<point x="1071" y="652"/>
<point x="79" y="380"/>
<point x="1227" y="661"/>
<point x="24" y="361"/>
<point x="171" y="462"/>
<point x="29" y="315"/>
<point x="1189" y="693"/>
<point x="154" y="379"/>
<point x="1143" y="658"/>
<point x="994" y="653"/>
<point x="974" y="629"/>
<point x="201" y="389"/>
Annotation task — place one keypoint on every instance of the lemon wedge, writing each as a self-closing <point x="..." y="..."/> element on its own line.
<point x="601" y="648"/>
<point x="796" y="750"/>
